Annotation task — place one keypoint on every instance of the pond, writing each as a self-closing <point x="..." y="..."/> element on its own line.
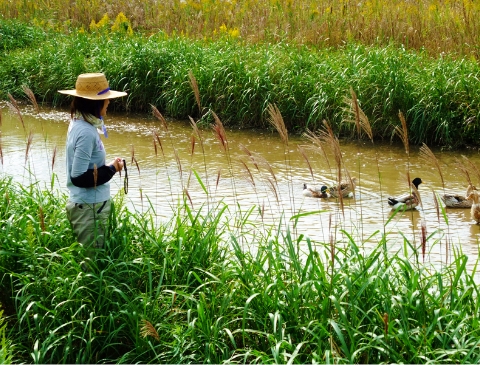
<point x="258" y="171"/>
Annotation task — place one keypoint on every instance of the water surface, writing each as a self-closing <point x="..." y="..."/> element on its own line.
<point x="260" y="172"/>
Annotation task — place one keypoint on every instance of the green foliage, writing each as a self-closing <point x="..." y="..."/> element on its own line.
<point x="6" y="348"/>
<point x="238" y="81"/>
<point x="17" y="35"/>
<point x="189" y="291"/>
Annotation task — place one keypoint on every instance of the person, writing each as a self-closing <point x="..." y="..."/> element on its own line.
<point x="89" y="204"/>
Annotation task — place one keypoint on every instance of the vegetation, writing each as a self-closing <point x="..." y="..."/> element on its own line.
<point x="439" y="97"/>
<point x="188" y="292"/>
<point x="446" y="26"/>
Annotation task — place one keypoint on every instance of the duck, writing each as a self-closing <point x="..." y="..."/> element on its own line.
<point x="406" y="201"/>
<point x="457" y="200"/>
<point x="474" y="197"/>
<point x="315" y="192"/>
<point x="346" y="188"/>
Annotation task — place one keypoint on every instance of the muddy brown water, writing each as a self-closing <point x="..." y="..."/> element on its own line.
<point x="272" y="187"/>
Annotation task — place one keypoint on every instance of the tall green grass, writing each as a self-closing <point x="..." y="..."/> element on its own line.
<point x="188" y="291"/>
<point x="439" y="97"/>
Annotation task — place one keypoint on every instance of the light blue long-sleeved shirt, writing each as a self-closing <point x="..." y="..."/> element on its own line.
<point x="84" y="150"/>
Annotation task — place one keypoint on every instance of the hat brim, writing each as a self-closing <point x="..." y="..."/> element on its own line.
<point x="111" y="94"/>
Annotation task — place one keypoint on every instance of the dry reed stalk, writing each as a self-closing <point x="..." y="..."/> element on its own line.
<point x="429" y="157"/>
<point x="248" y="173"/>
<point x="317" y="141"/>
<point x="259" y="160"/>
<point x="31" y="97"/>
<point x="0" y="118"/>
<point x="329" y="138"/>
<point x="360" y="118"/>
<point x="197" y="132"/>
<point x="192" y="144"/>
<point x="185" y="191"/>
<point x="305" y="157"/>
<point x="1" y="150"/>
<point x="464" y="170"/>
<point x="13" y="105"/>
<point x="331" y="241"/>
<point x="54" y="156"/>
<point x="273" y="188"/>
<point x="29" y="144"/>
<point x="196" y="92"/>
<point x="218" y="178"/>
<point x="147" y="329"/>
<point x="250" y="155"/>
<point x="159" y="141"/>
<point x="179" y="164"/>
<point x="473" y="167"/>
<point x="276" y="120"/>
<point x="424" y="238"/>
<point x="403" y="132"/>
<point x="220" y="132"/>
<point x="159" y="116"/>
<point x="154" y="144"/>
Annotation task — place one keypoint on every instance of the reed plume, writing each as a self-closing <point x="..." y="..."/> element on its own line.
<point x="147" y="329"/>
<point x="248" y="174"/>
<point x="402" y="132"/>
<point x="359" y="117"/>
<point x="464" y="170"/>
<point x="472" y="166"/>
<point x="219" y="132"/>
<point x="276" y="120"/>
<point x="429" y="157"/>
<point x="158" y="140"/>
<point x="29" y="144"/>
<point x="159" y="116"/>
<point x="54" y="156"/>
<point x="196" y="92"/>
<point x="31" y="97"/>
<point x="305" y="157"/>
<point x="318" y="144"/>
<point x="13" y="105"/>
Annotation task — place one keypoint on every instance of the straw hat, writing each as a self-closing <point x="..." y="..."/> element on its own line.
<point x="93" y="86"/>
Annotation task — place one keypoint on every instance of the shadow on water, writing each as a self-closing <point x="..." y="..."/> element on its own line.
<point x="258" y="173"/>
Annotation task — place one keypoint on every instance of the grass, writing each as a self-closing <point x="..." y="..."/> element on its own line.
<point x="435" y="26"/>
<point x="437" y="96"/>
<point x="186" y="291"/>
<point x="216" y="284"/>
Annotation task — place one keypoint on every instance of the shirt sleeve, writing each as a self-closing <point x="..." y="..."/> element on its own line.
<point x="87" y="179"/>
<point x="81" y="175"/>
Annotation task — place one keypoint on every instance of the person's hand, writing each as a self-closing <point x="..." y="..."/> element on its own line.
<point x="118" y="163"/>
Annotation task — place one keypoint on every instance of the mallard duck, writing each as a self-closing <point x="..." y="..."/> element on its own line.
<point x="457" y="200"/>
<point x="474" y="197"/>
<point x="315" y="192"/>
<point x="406" y="201"/>
<point x="346" y="188"/>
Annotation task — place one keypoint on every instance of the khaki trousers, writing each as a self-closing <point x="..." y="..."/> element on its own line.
<point x="89" y="223"/>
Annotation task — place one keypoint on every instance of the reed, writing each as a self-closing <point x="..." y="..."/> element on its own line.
<point x="307" y="84"/>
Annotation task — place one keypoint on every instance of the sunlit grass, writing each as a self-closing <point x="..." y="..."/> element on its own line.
<point x="437" y="26"/>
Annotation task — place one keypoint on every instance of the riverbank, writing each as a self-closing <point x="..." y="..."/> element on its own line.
<point x="195" y="290"/>
<point x="183" y="77"/>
